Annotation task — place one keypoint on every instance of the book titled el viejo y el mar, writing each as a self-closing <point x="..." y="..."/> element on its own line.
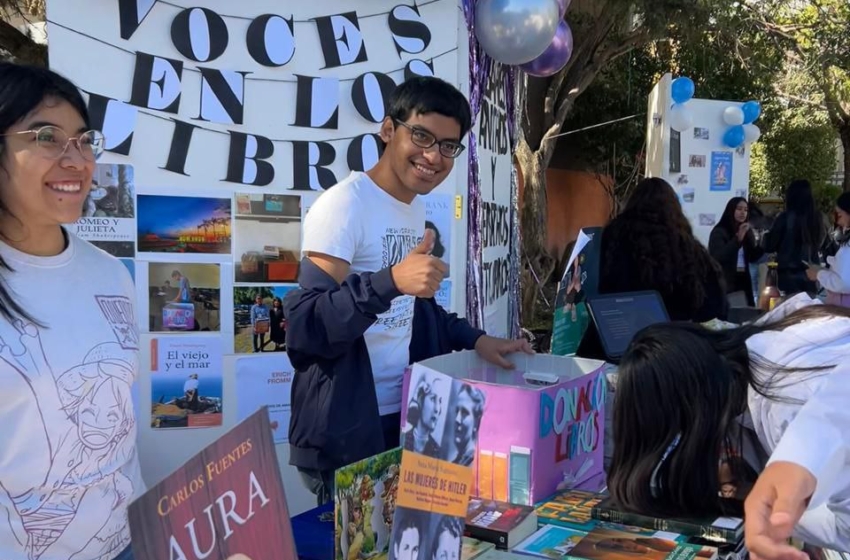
<point x="225" y="503"/>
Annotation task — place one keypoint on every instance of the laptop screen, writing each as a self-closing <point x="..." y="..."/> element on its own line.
<point x="618" y="317"/>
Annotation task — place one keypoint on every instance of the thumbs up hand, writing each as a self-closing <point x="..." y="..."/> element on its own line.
<point x="420" y="274"/>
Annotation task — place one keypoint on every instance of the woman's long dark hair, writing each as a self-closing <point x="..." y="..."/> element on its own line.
<point x="727" y="220"/>
<point x="22" y="90"/>
<point x="800" y="201"/>
<point x="653" y="231"/>
<point x="681" y="380"/>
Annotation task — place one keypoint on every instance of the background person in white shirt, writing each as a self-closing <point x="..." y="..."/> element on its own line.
<point x="768" y="402"/>
<point x="69" y="342"/>
<point x="836" y="279"/>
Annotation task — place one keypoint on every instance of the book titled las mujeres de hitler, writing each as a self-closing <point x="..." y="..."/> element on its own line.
<point x="226" y="502"/>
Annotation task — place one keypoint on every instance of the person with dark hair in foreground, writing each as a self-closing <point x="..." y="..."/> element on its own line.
<point x="365" y="306"/>
<point x="704" y="420"/>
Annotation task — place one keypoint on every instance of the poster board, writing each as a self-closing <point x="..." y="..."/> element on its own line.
<point x="244" y="112"/>
<point x="708" y="173"/>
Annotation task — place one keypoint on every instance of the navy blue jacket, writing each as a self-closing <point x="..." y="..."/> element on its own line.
<point x="335" y="419"/>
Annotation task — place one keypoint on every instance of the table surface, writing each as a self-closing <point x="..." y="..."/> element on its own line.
<point x="314" y="533"/>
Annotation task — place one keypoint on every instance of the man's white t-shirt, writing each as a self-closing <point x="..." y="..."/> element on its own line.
<point x="68" y="463"/>
<point x="360" y="223"/>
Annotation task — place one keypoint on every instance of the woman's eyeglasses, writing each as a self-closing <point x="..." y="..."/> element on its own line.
<point x="424" y="139"/>
<point x="53" y="142"/>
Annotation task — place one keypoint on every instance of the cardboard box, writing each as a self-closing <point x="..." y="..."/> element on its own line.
<point x="533" y="438"/>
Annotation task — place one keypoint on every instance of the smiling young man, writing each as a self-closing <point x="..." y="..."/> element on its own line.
<point x="365" y="307"/>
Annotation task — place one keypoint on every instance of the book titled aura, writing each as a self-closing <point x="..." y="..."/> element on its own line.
<point x="226" y="502"/>
<point x="721" y="529"/>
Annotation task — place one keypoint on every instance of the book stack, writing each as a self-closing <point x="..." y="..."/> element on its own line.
<point x="581" y="525"/>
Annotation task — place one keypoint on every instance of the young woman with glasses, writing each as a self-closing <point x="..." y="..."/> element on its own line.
<point x="68" y="337"/>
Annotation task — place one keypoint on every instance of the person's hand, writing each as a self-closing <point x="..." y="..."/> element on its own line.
<point x="742" y="231"/>
<point x="420" y="274"/>
<point x="812" y="272"/>
<point x="493" y="350"/>
<point x="772" y="509"/>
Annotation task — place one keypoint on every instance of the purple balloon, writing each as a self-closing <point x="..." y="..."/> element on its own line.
<point x="563" y="5"/>
<point x="556" y="55"/>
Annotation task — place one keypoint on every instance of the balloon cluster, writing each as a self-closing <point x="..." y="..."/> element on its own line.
<point x="741" y="128"/>
<point x="681" y="90"/>
<point x="531" y="34"/>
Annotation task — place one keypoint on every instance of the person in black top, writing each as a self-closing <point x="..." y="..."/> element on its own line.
<point x="796" y="236"/>
<point x="650" y="246"/>
<point x="733" y="245"/>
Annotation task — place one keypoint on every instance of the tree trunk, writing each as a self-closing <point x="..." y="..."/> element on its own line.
<point x="844" y="134"/>
<point x="22" y="48"/>
<point x="537" y="264"/>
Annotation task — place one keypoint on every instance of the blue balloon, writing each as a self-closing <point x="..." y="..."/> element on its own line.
<point x="682" y="89"/>
<point x="734" y="137"/>
<point x="752" y="111"/>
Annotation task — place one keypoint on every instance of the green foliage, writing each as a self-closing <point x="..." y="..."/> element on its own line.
<point x="799" y="144"/>
<point x="246" y="296"/>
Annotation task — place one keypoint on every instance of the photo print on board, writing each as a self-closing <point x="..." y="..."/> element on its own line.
<point x="184" y="297"/>
<point x="258" y="322"/>
<point x="695" y="160"/>
<point x="439" y="209"/>
<point x="267" y="238"/>
<point x="109" y="211"/>
<point x="701" y="134"/>
<point x="186" y="382"/>
<point x="707" y="220"/>
<point x="688" y="194"/>
<point x="184" y="224"/>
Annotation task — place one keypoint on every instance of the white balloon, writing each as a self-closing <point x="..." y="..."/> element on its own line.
<point x="680" y="118"/>
<point x="752" y="133"/>
<point x="733" y="116"/>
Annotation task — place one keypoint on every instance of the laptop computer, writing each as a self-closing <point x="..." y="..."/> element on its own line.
<point x="616" y="318"/>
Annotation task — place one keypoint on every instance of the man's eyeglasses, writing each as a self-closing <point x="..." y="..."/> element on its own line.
<point x="424" y="139"/>
<point x="53" y="142"/>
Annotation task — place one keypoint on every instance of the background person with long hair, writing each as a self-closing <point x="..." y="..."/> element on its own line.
<point x="733" y="245"/>
<point x="703" y="414"/>
<point x="651" y="246"/>
<point x="69" y="341"/>
<point x="796" y="237"/>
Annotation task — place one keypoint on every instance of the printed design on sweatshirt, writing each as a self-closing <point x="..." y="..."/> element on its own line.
<point x="73" y="498"/>
<point x="118" y="311"/>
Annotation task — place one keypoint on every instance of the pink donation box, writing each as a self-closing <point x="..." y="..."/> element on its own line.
<point x="540" y="426"/>
<point x="178" y="316"/>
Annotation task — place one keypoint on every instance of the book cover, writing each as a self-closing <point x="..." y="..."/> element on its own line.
<point x="225" y="502"/>
<point x="609" y="543"/>
<point x="436" y="472"/>
<point x="499" y="522"/>
<point x="550" y="541"/>
<point x="364" y="504"/>
<point x="721" y="529"/>
<point x="571" y="509"/>
<point x="580" y="281"/>
<point x="472" y="549"/>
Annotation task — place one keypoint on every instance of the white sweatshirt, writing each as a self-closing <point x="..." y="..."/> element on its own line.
<point x="68" y="463"/>
<point x="815" y="433"/>
<point x="836" y="278"/>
